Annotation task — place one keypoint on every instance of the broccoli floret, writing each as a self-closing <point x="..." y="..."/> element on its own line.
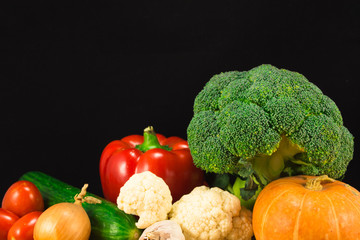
<point x="219" y="159"/>
<point x="266" y="123"/>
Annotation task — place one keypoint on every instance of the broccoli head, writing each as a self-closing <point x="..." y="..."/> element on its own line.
<point x="266" y="123"/>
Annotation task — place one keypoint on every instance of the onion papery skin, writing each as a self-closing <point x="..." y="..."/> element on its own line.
<point x="63" y="221"/>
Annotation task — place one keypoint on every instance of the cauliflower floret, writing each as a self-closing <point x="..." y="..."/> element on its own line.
<point x="209" y="213"/>
<point x="242" y="226"/>
<point x="147" y="196"/>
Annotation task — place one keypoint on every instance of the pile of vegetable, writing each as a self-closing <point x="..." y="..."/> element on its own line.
<point x="204" y="213"/>
<point x="263" y="135"/>
<point x="39" y="206"/>
<point x="265" y="154"/>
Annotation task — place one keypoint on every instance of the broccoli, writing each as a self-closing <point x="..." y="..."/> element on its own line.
<point x="266" y="123"/>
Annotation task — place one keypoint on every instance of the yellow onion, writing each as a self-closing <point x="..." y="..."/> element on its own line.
<point x="65" y="221"/>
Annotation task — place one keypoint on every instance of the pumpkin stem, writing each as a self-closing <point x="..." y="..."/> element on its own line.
<point x="315" y="183"/>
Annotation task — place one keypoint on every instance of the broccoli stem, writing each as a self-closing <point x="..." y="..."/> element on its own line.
<point x="269" y="168"/>
<point x="239" y="188"/>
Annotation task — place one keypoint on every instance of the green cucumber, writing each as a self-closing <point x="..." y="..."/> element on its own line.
<point x="107" y="220"/>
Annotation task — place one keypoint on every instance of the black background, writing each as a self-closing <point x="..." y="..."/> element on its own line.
<point x="77" y="76"/>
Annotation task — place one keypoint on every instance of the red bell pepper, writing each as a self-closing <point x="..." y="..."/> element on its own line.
<point x="168" y="158"/>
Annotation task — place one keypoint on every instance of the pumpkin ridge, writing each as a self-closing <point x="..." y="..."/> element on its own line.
<point x="335" y="216"/>
<point x="296" y="227"/>
<point x="350" y="201"/>
<point x="267" y="211"/>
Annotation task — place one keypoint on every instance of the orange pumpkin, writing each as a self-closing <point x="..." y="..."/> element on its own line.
<point x="307" y="208"/>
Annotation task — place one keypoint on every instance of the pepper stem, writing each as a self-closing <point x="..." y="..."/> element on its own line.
<point x="150" y="141"/>
<point x="315" y="183"/>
